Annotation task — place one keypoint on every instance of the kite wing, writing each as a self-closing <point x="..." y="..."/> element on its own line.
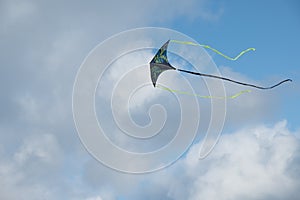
<point x="160" y="63"/>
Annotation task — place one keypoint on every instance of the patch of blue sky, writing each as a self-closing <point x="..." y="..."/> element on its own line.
<point x="272" y="27"/>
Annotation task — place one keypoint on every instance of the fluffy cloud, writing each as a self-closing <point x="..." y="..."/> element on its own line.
<point x="42" y="46"/>
<point x="40" y="154"/>
<point x="255" y="163"/>
<point x="95" y="198"/>
<point x="33" y="169"/>
<point x="252" y="163"/>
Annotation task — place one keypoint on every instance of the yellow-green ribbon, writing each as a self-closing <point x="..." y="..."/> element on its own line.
<point x="213" y="49"/>
<point x="202" y="96"/>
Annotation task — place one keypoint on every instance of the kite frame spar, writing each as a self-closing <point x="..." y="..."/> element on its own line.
<point x="160" y="63"/>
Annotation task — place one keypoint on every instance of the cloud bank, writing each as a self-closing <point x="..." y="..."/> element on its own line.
<point x="260" y="162"/>
<point x="41" y="156"/>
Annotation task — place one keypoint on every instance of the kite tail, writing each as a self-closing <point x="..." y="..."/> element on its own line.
<point x="237" y="82"/>
<point x="213" y="49"/>
<point x="201" y="96"/>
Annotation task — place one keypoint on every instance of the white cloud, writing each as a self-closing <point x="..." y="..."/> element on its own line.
<point x="94" y="198"/>
<point x="14" y="12"/>
<point x="32" y="170"/>
<point x="251" y="163"/>
<point x="43" y="46"/>
<point x="260" y="162"/>
<point x="249" y="108"/>
<point x="43" y="148"/>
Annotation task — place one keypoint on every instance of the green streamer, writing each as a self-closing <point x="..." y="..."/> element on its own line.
<point x="213" y="49"/>
<point x="202" y="96"/>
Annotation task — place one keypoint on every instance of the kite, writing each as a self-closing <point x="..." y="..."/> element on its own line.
<point x="160" y="63"/>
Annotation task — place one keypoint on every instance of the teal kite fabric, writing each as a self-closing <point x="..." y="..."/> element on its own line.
<point x="160" y="63"/>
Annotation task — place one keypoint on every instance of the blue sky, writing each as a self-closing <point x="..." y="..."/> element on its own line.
<point x="271" y="27"/>
<point x="43" y="45"/>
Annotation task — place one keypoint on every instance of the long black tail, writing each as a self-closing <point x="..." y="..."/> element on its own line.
<point x="227" y="79"/>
